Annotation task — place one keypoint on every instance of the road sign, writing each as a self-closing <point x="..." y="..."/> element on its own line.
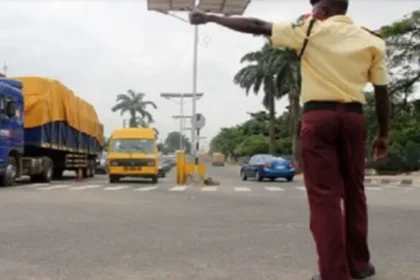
<point x="200" y="121"/>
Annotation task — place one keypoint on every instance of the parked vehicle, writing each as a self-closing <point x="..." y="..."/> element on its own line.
<point x="101" y="163"/>
<point x="264" y="166"/>
<point x="133" y="152"/>
<point x="164" y="167"/>
<point x="218" y="159"/>
<point x="45" y="129"/>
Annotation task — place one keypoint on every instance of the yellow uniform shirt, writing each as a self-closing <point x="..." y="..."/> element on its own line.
<point x="339" y="60"/>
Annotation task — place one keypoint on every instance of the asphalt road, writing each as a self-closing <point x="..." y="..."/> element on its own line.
<point x="240" y="230"/>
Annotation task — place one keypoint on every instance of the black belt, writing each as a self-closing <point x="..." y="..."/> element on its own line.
<point x="332" y="106"/>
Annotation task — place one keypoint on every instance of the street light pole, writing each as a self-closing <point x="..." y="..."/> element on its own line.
<point x="181" y="124"/>
<point x="181" y="117"/>
<point x="194" y="90"/>
<point x="226" y="7"/>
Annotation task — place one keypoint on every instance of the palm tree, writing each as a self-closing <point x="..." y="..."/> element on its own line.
<point x="278" y="71"/>
<point x="134" y="104"/>
<point x="288" y="81"/>
<point x="258" y="74"/>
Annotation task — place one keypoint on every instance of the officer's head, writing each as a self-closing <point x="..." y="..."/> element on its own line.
<point x="327" y="8"/>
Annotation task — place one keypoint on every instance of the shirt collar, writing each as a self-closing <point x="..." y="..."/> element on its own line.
<point x="341" y="18"/>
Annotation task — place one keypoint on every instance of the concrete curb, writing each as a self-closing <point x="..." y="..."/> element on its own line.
<point x="402" y="182"/>
<point x="394" y="182"/>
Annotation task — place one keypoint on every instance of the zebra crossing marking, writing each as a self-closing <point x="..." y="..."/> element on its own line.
<point x="84" y="187"/>
<point x="242" y="189"/>
<point x="145" y="189"/>
<point x="54" y="187"/>
<point x="274" y="189"/>
<point x="178" y="189"/>
<point x="374" y="188"/>
<point x="33" y="186"/>
<point x="117" y="188"/>
<point x="209" y="189"/>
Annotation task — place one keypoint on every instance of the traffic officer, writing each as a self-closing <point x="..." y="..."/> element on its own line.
<point x="338" y="59"/>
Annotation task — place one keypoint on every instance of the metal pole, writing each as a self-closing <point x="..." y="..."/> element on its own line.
<point x="181" y="124"/>
<point x="194" y="90"/>
<point x="197" y="148"/>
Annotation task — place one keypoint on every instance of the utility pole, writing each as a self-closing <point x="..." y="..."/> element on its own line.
<point x="181" y="96"/>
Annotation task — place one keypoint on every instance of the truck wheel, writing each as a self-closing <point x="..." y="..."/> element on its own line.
<point x="113" y="179"/>
<point x="155" y="179"/>
<point x="46" y="175"/>
<point x="85" y="172"/>
<point x="92" y="172"/>
<point x="9" y="176"/>
<point x="58" y="173"/>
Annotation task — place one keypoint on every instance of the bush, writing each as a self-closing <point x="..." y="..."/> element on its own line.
<point x="400" y="159"/>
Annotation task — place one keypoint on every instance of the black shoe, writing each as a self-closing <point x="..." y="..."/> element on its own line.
<point x="370" y="271"/>
<point x="316" y="277"/>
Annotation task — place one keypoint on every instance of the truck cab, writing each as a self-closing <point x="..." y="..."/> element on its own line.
<point x="133" y="152"/>
<point x="11" y="130"/>
<point x="13" y="164"/>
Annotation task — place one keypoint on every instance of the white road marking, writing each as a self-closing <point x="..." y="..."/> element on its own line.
<point x="32" y="186"/>
<point x="374" y="188"/>
<point x="79" y="188"/>
<point x="178" y="189"/>
<point x="116" y="188"/>
<point x="301" y="188"/>
<point x="55" y="187"/>
<point x="242" y="189"/>
<point x="375" y="182"/>
<point x="274" y="189"/>
<point x="145" y="189"/>
<point x="209" y="189"/>
<point x="391" y="187"/>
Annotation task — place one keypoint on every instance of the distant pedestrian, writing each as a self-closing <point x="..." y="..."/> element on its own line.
<point x="338" y="58"/>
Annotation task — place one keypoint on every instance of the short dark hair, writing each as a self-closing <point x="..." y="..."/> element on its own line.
<point x="313" y="2"/>
<point x="342" y="5"/>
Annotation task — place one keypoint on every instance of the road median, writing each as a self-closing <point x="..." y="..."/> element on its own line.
<point x="385" y="180"/>
<point x="397" y="180"/>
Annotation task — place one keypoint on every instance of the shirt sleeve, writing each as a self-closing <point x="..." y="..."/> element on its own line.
<point x="288" y="34"/>
<point x="378" y="74"/>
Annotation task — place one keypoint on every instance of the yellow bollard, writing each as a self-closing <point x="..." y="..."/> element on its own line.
<point x="180" y="167"/>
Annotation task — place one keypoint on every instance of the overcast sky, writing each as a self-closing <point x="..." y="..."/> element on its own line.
<point x="102" y="48"/>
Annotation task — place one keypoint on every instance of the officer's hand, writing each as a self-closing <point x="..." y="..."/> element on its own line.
<point x="198" y="17"/>
<point x="380" y="148"/>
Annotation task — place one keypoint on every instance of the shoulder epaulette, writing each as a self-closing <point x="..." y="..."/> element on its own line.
<point x="306" y="16"/>
<point x="372" y="32"/>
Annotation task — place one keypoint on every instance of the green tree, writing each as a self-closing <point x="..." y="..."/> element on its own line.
<point x="256" y="75"/>
<point x="134" y="104"/>
<point x="277" y="71"/>
<point x="172" y="142"/>
<point x="254" y="144"/>
<point x="403" y="43"/>
<point x="228" y="139"/>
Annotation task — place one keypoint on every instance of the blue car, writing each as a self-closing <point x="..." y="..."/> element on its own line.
<point x="261" y="167"/>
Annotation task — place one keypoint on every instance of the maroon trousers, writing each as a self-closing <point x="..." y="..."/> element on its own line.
<point x="332" y="156"/>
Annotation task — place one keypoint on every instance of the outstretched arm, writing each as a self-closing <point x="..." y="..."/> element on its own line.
<point x="246" y="25"/>
<point x="240" y="24"/>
